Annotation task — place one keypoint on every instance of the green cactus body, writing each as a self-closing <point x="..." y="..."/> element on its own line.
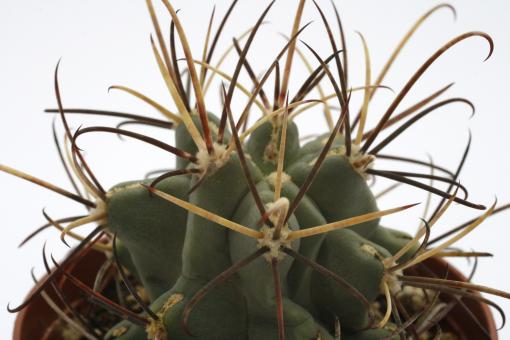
<point x="152" y="231"/>
<point x="263" y="146"/>
<point x="357" y="261"/>
<point x="299" y="277"/>
<point x="393" y="240"/>
<point x="257" y="280"/>
<point x="338" y="189"/>
<point x="206" y="246"/>
<point x="246" y="302"/>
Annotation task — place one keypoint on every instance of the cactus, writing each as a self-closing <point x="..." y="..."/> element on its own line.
<point x="255" y="234"/>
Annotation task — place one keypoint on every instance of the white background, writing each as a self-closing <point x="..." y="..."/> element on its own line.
<point x="107" y="42"/>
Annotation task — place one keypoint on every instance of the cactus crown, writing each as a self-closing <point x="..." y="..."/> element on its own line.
<point x="255" y="234"/>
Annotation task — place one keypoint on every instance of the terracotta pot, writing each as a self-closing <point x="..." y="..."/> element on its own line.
<point x="458" y="320"/>
<point x="38" y="320"/>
